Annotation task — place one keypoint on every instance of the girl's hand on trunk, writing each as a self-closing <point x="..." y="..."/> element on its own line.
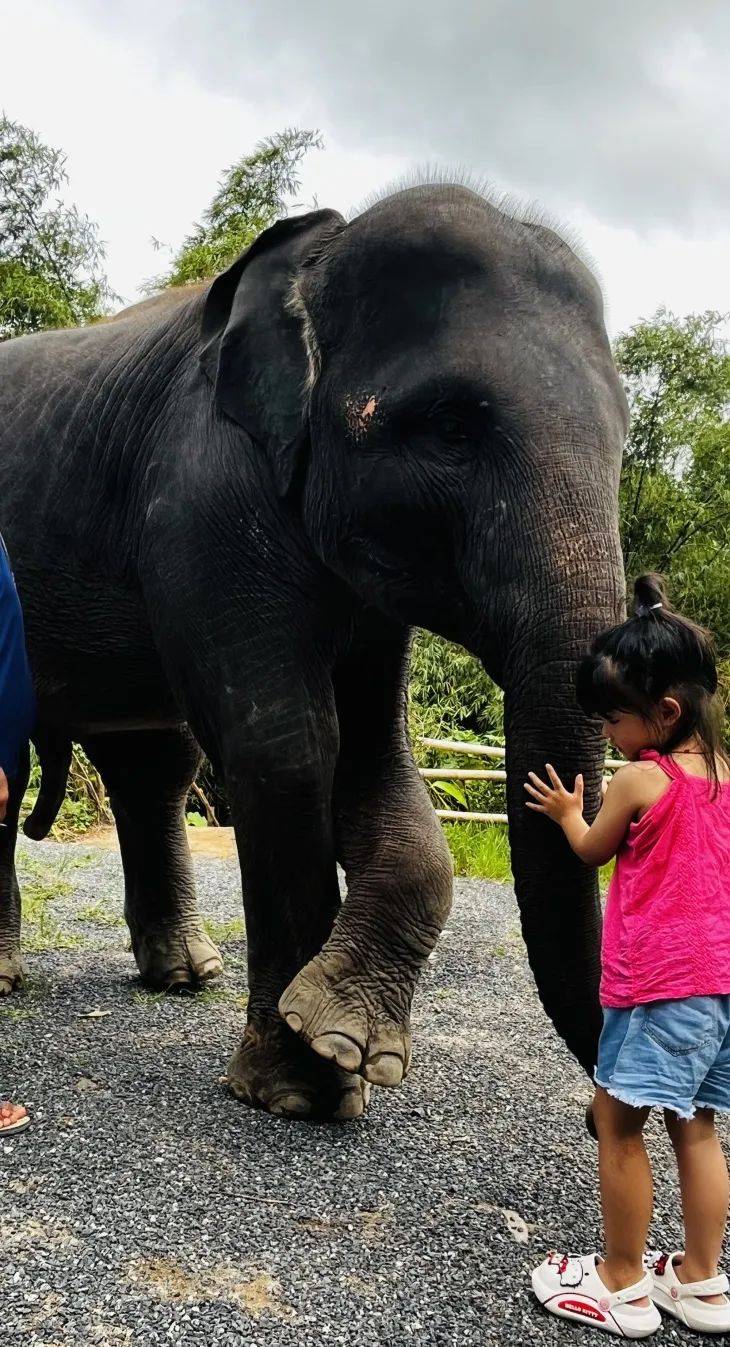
<point x="555" y="799"/>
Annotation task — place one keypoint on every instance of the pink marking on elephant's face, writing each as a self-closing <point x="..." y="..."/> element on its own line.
<point x="359" y="413"/>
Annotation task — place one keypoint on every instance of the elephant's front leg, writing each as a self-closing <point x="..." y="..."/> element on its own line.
<point x="279" y="776"/>
<point x="352" y="1001"/>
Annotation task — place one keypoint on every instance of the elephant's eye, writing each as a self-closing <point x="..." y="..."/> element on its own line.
<point x="455" y="425"/>
<point x="451" y="428"/>
<point x="461" y="422"/>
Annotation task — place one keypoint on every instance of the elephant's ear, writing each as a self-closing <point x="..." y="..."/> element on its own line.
<point x="253" y="347"/>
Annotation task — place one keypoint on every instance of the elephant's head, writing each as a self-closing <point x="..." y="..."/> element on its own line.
<point x="435" y="381"/>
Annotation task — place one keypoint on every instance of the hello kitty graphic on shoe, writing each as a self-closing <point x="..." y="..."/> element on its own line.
<point x="571" y="1287"/>
<point x="569" y="1269"/>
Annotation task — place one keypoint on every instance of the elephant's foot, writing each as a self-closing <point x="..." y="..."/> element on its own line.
<point x="274" y="1070"/>
<point x="11" y="973"/>
<point x="175" y="958"/>
<point x="347" y="1016"/>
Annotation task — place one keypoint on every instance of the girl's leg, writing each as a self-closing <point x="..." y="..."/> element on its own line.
<point x="626" y="1190"/>
<point x="703" y="1180"/>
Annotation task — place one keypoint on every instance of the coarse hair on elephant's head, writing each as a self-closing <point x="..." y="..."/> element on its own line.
<point x="434" y="380"/>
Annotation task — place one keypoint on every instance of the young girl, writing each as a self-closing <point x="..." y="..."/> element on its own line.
<point x="665" y="984"/>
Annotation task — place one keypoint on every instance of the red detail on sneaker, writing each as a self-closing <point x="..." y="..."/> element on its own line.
<point x="582" y="1307"/>
<point x="661" y="1264"/>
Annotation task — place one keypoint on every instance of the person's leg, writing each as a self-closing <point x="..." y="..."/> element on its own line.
<point x="11" y="968"/>
<point x="626" y="1190"/>
<point x="705" y="1188"/>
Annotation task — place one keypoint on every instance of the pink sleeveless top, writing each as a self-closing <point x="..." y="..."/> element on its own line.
<point x="666" y="931"/>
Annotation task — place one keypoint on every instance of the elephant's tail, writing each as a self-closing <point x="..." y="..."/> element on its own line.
<point x="54" y="756"/>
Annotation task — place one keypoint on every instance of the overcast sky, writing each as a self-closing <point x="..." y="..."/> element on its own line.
<point x="614" y="116"/>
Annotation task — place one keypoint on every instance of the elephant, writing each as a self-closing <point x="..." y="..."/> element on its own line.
<point x="228" y="507"/>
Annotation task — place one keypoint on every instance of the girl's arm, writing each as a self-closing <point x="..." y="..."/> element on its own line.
<point x="598" y="843"/>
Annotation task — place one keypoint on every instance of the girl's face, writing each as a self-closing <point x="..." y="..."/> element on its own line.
<point x="630" y="733"/>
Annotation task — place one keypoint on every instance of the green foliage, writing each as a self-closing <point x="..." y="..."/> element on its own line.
<point x="40" y="885"/>
<point x="50" y="254"/>
<point x="221" y="932"/>
<point x="604" y="875"/>
<point x="451" y="697"/>
<point x="450" y="694"/>
<point x="98" y="914"/>
<point x="85" y="805"/>
<point x="675" y="483"/>
<point x="451" y="789"/>
<point x="480" y="851"/>
<point x="253" y="194"/>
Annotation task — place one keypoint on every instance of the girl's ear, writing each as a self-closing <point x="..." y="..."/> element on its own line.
<point x="670" y="710"/>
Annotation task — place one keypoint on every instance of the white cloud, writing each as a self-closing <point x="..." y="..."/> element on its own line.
<point x="145" y="101"/>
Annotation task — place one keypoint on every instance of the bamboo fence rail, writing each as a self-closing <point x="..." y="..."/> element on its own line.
<point x="475" y="774"/>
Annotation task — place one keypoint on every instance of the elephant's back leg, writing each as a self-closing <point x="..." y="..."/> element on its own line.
<point x="11" y="970"/>
<point x="147" y="774"/>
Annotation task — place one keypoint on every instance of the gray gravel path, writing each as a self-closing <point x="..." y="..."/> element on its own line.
<point x="145" y="1205"/>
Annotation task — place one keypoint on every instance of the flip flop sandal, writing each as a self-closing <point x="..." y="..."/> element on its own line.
<point x="681" y="1299"/>
<point x="12" y="1129"/>
<point x="570" y="1287"/>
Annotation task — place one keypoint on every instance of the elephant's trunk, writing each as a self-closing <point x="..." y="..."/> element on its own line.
<point x="557" y="893"/>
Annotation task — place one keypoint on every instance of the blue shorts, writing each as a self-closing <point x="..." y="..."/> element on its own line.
<point x="668" y="1054"/>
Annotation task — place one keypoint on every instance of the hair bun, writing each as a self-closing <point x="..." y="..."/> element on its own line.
<point x="649" y="594"/>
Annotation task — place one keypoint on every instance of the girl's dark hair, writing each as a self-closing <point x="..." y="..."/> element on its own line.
<point x="657" y="653"/>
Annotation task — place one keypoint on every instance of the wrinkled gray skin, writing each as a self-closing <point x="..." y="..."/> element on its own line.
<point x="225" y="509"/>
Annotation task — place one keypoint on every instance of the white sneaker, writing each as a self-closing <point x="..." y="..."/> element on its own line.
<point x="570" y="1287"/>
<point x="682" y="1298"/>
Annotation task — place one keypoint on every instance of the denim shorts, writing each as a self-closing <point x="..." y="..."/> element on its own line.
<point x="668" y="1054"/>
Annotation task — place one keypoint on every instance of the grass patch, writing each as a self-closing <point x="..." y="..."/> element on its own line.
<point x="98" y="914"/>
<point x="221" y="932"/>
<point x="40" y="885"/>
<point x="14" y="1014"/>
<point x="480" y="851"/>
<point x="205" y="998"/>
<point x="211" y="996"/>
<point x="143" y="997"/>
<point x="48" y="935"/>
<point x="604" y="874"/>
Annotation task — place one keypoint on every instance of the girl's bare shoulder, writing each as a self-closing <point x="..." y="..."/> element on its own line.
<point x="642" y="781"/>
<point x="640" y="770"/>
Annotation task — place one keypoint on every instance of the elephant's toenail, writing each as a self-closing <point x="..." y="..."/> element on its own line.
<point x="340" y="1049"/>
<point x="384" y="1069"/>
<point x="352" y="1105"/>
<point x="211" y="969"/>
<point x="293" y="1105"/>
<point x="295" y="1022"/>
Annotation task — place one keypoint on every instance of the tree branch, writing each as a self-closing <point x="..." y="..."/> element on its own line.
<point x="27" y="210"/>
